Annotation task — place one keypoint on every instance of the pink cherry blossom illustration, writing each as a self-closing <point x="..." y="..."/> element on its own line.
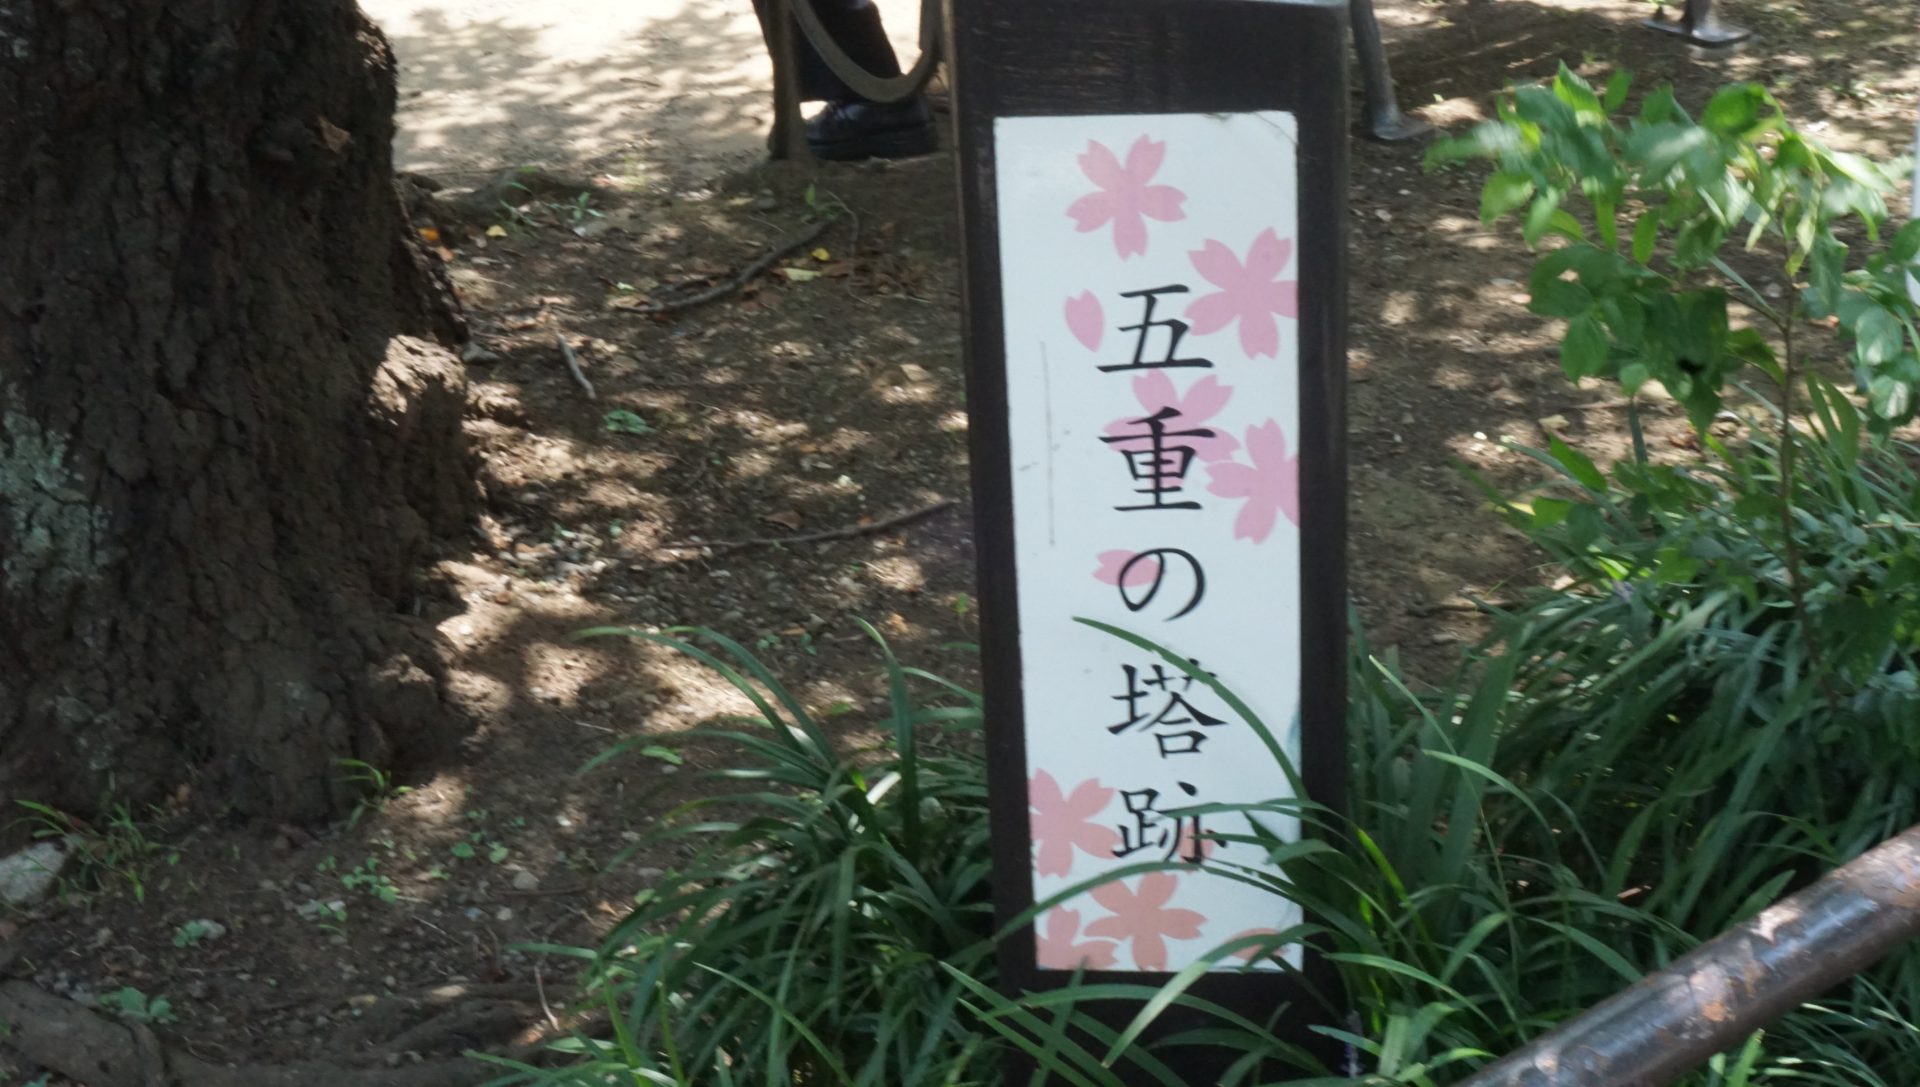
<point x="1257" y="950"/>
<point x="1112" y="563"/>
<point x="1126" y="197"/>
<point x="1203" y="401"/>
<point x="1271" y="484"/>
<point x="1086" y="320"/>
<point x="1142" y="916"/>
<point x="1250" y="293"/>
<point x="1057" y="950"/>
<point x="1062" y="822"/>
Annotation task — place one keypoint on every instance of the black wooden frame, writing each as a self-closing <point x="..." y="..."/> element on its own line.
<point x="1015" y="58"/>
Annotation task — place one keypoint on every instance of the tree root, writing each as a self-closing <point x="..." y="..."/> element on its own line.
<point x="90" y="1048"/>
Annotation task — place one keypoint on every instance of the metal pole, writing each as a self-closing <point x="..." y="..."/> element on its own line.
<point x="1710" y="999"/>
<point x="1384" y="119"/>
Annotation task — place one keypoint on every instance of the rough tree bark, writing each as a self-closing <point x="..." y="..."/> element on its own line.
<point x="229" y="428"/>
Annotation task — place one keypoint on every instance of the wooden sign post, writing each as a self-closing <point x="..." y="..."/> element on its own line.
<point x="1153" y="201"/>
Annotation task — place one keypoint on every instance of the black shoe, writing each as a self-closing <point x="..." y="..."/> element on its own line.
<point x="845" y="131"/>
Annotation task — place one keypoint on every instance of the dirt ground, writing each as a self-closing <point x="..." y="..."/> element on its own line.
<point x="827" y="396"/>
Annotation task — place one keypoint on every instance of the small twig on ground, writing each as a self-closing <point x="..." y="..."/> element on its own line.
<point x="738" y="279"/>
<point x="1422" y="610"/>
<point x="573" y="363"/>
<point x="548" y="892"/>
<point x="853" y="222"/>
<point x="540" y="986"/>
<point x="845" y="532"/>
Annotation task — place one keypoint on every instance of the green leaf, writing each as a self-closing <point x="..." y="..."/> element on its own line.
<point x="1889" y="397"/>
<point x="1540" y="217"/>
<point x="1563" y="223"/>
<point x="1660" y="148"/>
<point x="1633" y="375"/>
<point x="1584" y="352"/>
<point x="1503" y="192"/>
<point x="1577" y="465"/>
<point x="1548" y="512"/>
<point x="1735" y="110"/>
<point x="1646" y="232"/>
<point x="1627" y="318"/>
<point x="1561" y="298"/>
<point x="1617" y="87"/>
<point x="1878" y="336"/>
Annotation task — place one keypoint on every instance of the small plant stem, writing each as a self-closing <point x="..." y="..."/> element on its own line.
<point x="1796" y="584"/>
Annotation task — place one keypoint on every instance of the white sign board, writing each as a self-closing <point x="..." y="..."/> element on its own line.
<point x="1150" y="289"/>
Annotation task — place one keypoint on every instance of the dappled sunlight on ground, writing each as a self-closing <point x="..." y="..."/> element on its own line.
<point x="654" y="93"/>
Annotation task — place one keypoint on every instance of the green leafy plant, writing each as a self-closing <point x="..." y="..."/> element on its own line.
<point x="621" y="421"/>
<point x="369" y="878"/>
<point x="193" y="932"/>
<point x="131" y="1003"/>
<point x="1648" y="280"/>
<point x="377" y="786"/>
<point x="116" y="849"/>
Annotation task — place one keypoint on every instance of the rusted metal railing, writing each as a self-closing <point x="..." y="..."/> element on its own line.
<point x="1710" y="999"/>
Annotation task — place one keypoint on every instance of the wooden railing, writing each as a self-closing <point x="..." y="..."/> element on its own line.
<point x="1717" y="995"/>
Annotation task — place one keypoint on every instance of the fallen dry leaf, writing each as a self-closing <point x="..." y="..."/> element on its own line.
<point x="496" y="231"/>
<point x="799" y="275"/>
<point x="785" y="519"/>
<point x="820" y="254"/>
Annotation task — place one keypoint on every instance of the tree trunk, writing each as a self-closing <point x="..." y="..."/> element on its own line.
<point x="229" y="426"/>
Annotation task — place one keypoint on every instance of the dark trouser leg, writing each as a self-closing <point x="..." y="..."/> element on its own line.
<point x="855" y="26"/>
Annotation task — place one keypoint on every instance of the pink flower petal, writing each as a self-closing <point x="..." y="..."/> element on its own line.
<point x="1156" y="888"/>
<point x="1144" y="159"/>
<point x="1043" y="792"/>
<point x="1058" y="949"/>
<point x="1113" y="562"/>
<point x="1211" y="312"/>
<point x="1203" y="401"/>
<point x="1217" y="263"/>
<point x="1102" y="167"/>
<point x="1092" y="211"/>
<point x="1129" y="235"/>
<point x="1088" y="798"/>
<point x="1053" y="856"/>
<point x="1086" y="320"/>
<point x="1154" y="389"/>
<point x="1267" y="257"/>
<point x="1267" y="444"/>
<point x="1259" y="335"/>
<point x="1256" y="519"/>
<point x="1182" y="924"/>
<point x="1115" y="896"/>
<point x="1232" y="480"/>
<point x="1149" y="952"/>
<point x="1163" y="202"/>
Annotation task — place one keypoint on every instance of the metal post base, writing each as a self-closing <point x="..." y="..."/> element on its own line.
<point x="1698" y="26"/>
<point x="1385" y="122"/>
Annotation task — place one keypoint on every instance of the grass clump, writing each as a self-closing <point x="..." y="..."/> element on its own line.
<point x="809" y="938"/>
